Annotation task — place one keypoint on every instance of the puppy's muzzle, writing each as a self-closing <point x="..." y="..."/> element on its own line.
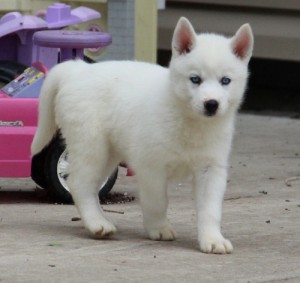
<point x="211" y="106"/>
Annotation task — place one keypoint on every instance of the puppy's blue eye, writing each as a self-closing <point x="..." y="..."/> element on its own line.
<point x="195" y="80"/>
<point x="225" y="81"/>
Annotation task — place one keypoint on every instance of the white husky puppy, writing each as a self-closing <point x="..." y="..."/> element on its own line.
<point x="164" y="122"/>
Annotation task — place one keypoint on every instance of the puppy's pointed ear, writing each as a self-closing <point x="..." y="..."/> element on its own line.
<point x="184" y="37"/>
<point x="242" y="43"/>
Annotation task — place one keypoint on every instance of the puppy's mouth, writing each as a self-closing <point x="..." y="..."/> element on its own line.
<point x="210" y="114"/>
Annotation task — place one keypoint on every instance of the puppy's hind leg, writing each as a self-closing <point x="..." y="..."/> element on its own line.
<point x="86" y="177"/>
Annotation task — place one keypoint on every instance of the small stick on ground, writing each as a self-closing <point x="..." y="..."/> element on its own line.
<point x="113" y="211"/>
<point x="106" y="210"/>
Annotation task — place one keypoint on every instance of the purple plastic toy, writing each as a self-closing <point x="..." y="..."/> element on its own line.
<point x="70" y="44"/>
<point x="37" y="43"/>
<point x="16" y="30"/>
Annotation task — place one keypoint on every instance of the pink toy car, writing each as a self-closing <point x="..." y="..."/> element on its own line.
<point x="29" y="46"/>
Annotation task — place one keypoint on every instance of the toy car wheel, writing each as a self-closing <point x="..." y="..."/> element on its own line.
<point x="56" y="171"/>
<point x="37" y="169"/>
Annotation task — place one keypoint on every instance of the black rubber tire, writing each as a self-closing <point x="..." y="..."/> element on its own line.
<point x="37" y="169"/>
<point x="55" y="187"/>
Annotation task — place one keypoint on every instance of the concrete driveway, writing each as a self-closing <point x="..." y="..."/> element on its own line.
<point x="39" y="242"/>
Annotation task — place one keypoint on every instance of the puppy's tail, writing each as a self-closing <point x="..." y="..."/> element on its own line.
<point x="46" y="121"/>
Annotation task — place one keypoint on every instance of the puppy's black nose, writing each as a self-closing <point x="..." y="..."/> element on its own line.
<point x="211" y="107"/>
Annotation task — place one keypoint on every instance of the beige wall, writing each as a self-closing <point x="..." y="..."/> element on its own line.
<point x="145" y="30"/>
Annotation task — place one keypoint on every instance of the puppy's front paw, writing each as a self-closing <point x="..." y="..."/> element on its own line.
<point x="163" y="234"/>
<point x="103" y="230"/>
<point x="212" y="244"/>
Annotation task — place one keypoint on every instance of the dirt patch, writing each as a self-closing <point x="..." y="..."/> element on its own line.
<point x="116" y="198"/>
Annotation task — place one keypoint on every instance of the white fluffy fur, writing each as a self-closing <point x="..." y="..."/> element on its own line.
<point x="154" y="119"/>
